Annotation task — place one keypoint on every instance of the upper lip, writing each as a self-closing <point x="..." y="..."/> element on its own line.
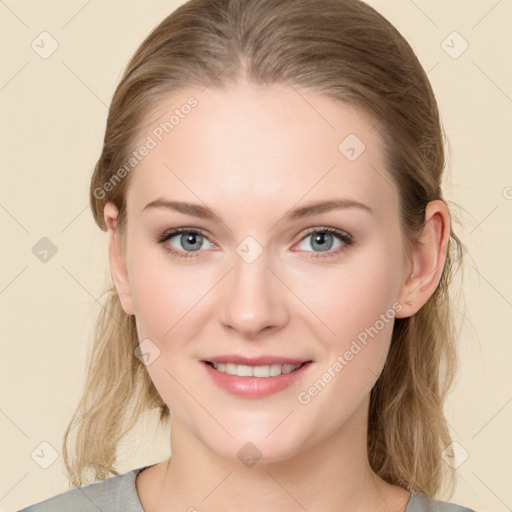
<point x="255" y="361"/>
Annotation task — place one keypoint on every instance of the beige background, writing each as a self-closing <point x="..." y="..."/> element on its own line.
<point x="53" y="112"/>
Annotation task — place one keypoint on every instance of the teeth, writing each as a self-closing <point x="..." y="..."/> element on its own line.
<point x="270" y="370"/>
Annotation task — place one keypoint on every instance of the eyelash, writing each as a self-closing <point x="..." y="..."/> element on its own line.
<point x="342" y="236"/>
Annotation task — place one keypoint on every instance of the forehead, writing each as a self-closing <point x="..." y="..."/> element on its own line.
<point x="250" y="146"/>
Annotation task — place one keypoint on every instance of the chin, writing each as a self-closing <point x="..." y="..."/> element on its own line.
<point x="255" y="446"/>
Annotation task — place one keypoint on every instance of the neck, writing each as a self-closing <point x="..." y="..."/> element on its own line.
<point x="332" y="474"/>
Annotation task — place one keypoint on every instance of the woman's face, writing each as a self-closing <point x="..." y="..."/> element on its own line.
<point x="261" y="277"/>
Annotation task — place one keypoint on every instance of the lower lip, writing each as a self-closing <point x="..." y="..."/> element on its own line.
<point x="255" y="387"/>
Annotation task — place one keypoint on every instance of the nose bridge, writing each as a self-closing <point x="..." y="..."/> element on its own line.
<point x="253" y="300"/>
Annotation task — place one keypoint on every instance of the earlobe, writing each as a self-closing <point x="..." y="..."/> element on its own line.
<point x="428" y="256"/>
<point x="118" y="268"/>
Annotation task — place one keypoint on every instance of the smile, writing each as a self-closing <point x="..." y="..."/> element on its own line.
<point x="272" y="370"/>
<point x="255" y="381"/>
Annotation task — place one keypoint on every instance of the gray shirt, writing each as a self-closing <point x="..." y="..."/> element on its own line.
<point x="119" y="494"/>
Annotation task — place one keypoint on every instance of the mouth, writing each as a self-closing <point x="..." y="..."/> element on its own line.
<point x="252" y="381"/>
<point x="259" y="371"/>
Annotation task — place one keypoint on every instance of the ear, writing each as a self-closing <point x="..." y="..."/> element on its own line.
<point x="428" y="256"/>
<point x="117" y="265"/>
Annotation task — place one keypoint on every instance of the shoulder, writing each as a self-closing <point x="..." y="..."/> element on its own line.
<point x="114" y="494"/>
<point x="420" y="503"/>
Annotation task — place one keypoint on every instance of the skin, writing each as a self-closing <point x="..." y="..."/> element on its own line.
<point x="251" y="154"/>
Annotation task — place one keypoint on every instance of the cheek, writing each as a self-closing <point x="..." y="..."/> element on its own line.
<point x="358" y="307"/>
<point x="166" y="297"/>
<point x="164" y="293"/>
<point x="351" y="297"/>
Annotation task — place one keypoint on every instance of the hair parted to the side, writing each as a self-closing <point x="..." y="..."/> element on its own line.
<point x="347" y="51"/>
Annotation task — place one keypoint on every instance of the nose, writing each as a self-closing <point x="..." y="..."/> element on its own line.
<point x="254" y="299"/>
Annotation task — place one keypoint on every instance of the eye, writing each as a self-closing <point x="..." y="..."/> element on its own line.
<point x="187" y="242"/>
<point x="322" y="240"/>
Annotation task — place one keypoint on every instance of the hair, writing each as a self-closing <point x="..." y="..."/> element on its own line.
<point x="347" y="51"/>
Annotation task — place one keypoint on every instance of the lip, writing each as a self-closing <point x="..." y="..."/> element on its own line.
<point x="256" y="387"/>
<point x="262" y="360"/>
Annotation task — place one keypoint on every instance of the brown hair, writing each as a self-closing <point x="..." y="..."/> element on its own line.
<point x="347" y="51"/>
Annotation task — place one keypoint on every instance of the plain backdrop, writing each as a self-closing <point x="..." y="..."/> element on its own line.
<point x="53" y="110"/>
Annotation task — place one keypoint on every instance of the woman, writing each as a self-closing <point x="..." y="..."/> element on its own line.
<point x="280" y="253"/>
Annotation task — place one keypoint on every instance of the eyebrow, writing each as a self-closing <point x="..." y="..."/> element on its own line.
<point x="314" y="208"/>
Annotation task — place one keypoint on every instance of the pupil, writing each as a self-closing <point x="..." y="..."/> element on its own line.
<point x="320" y="241"/>
<point x="191" y="239"/>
